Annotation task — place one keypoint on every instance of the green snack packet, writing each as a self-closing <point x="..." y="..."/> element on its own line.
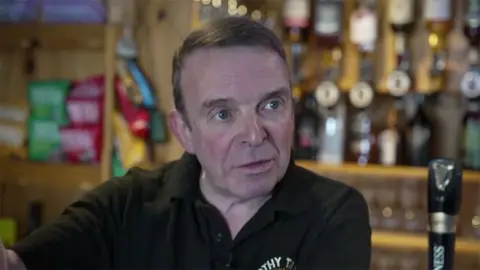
<point x="48" y="100"/>
<point x="44" y="141"/>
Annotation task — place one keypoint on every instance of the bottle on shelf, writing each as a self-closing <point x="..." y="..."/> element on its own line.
<point x="206" y="11"/>
<point x="471" y="26"/>
<point x="363" y="33"/>
<point x="306" y="130"/>
<point x="296" y="20"/>
<point x="328" y="34"/>
<point x="418" y="135"/>
<point x="438" y="15"/>
<point x="389" y="141"/>
<point x="296" y="16"/>
<point x="470" y="82"/>
<point x="328" y="25"/>
<point x="471" y="136"/>
<point x="361" y="148"/>
<point x="401" y="14"/>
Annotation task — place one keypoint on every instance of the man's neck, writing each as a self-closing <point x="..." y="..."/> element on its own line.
<point x="237" y="212"/>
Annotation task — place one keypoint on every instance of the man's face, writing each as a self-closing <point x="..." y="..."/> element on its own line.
<point x="239" y="106"/>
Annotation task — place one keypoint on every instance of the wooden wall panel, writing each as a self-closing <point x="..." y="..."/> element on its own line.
<point x="164" y="25"/>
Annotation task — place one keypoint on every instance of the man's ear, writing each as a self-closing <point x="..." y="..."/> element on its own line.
<point x="181" y="130"/>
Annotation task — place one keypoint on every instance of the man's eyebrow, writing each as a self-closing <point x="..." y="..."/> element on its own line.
<point x="218" y="102"/>
<point x="212" y="103"/>
<point x="279" y="92"/>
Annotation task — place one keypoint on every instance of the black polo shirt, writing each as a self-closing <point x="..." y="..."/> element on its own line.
<point x="159" y="220"/>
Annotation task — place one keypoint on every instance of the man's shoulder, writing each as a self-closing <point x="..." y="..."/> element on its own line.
<point x="331" y="197"/>
<point x="141" y="184"/>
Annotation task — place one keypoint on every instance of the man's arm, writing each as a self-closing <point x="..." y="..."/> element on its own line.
<point x="81" y="238"/>
<point x="345" y="243"/>
<point x="9" y="260"/>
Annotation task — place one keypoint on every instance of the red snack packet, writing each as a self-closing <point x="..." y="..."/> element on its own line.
<point x="82" y="144"/>
<point x="137" y="118"/>
<point x="85" y="101"/>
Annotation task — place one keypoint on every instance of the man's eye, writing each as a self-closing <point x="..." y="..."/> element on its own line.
<point x="273" y="105"/>
<point x="222" y="115"/>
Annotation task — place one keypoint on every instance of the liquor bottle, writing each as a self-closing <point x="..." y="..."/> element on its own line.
<point x="389" y="141"/>
<point x="328" y="31"/>
<point x="438" y="14"/>
<point x="361" y="147"/>
<point x="296" y="15"/>
<point x="363" y="33"/>
<point x="418" y="135"/>
<point x="328" y="23"/>
<point x="328" y="34"/>
<point x="363" y="30"/>
<point x="206" y="11"/>
<point x="401" y="19"/>
<point x="307" y="127"/>
<point x="471" y="136"/>
<point x="472" y="23"/>
<point x="470" y="82"/>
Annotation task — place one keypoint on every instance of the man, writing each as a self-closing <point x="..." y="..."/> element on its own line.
<point x="235" y="199"/>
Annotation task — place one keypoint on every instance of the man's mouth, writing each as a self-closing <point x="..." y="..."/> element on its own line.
<point x="261" y="165"/>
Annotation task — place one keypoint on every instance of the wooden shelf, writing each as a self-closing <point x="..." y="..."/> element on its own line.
<point x="377" y="171"/>
<point x="49" y="174"/>
<point x="395" y="240"/>
<point x="53" y="36"/>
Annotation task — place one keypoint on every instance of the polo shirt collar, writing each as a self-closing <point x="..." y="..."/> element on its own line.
<point x="289" y="195"/>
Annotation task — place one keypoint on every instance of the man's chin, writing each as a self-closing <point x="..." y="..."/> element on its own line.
<point x="255" y="189"/>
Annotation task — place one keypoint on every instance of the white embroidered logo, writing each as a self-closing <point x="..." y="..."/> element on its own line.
<point x="278" y="263"/>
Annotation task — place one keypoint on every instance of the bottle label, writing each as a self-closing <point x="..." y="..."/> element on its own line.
<point x="472" y="144"/>
<point x="361" y="95"/>
<point x="438" y="10"/>
<point x="327" y="94"/>
<point x="296" y="13"/>
<point x="398" y="83"/>
<point x="401" y="11"/>
<point x="470" y="84"/>
<point x="328" y="18"/>
<point x="363" y="27"/>
<point x="388" y="141"/>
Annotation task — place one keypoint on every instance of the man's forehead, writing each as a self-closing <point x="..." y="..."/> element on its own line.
<point x="242" y="73"/>
<point x="232" y="55"/>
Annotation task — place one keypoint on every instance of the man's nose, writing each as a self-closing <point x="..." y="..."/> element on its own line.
<point x="254" y="131"/>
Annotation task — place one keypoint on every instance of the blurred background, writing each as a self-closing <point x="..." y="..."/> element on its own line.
<point x="382" y="87"/>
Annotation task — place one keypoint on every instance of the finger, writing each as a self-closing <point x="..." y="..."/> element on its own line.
<point x="3" y="256"/>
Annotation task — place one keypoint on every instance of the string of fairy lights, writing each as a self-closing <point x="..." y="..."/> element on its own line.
<point x="233" y="9"/>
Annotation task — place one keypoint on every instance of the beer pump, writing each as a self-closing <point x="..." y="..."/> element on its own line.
<point x="444" y="200"/>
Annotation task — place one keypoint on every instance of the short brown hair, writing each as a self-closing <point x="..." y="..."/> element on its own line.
<point x="224" y="32"/>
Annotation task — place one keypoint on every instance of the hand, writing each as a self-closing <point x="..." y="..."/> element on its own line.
<point x="3" y="256"/>
<point x="9" y="260"/>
